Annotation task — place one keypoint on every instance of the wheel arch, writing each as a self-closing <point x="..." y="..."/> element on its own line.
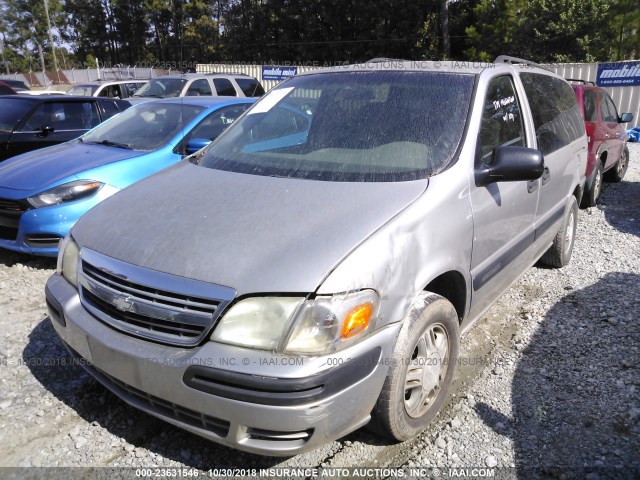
<point x="452" y="286"/>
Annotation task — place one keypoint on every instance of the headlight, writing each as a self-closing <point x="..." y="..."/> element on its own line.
<point x="330" y="322"/>
<point x="65" y="193"/>
<point x="256" y="322"/>
<point x="293" y="325"/>
<point x="68" y="260"/>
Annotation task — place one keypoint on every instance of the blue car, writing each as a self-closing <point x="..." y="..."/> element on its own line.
<point x="43" y="193"/>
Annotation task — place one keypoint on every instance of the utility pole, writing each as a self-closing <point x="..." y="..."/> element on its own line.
<point x="444" y="26"/>
<point x="53" y="47"/>
<point x="4" y="58"/>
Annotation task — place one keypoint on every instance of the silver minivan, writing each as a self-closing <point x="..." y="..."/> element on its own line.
<point x="312" y="270"/>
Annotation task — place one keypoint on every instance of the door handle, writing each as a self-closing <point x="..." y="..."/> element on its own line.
<point x="546" y="176"/>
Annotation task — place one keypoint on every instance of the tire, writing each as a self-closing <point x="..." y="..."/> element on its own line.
<point x="559" y="254"/>
<point x="590" y="197"/>
<point x="425" y="351"/>
<point x="617" y="172"/>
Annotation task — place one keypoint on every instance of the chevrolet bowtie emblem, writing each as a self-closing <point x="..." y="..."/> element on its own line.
<point x="124" y="304"/>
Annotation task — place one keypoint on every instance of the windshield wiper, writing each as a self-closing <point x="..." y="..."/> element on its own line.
<point x="109" y="143"/>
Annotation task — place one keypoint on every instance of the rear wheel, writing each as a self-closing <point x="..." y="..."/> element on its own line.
<point x="590" y="197"/>
<point x="616" y="174"/>
<point x="559" y="254"/>
<point x="422" y="369"/>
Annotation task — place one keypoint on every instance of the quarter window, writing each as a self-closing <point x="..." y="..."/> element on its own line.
<point x="501" y="118"/>
<point x="590" y="112"/>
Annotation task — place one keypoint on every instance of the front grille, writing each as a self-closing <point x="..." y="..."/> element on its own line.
<point x="165" y="408"/>
<point x="152" y="324"/>
<point x="152" y="403"/>
<point x="157" y="306"/>
<point x="10" y="213"/>
<point x="42" y="240"/>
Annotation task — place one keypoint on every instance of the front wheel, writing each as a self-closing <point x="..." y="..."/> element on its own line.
<point x="616" y="174"/>
<point x="422" y="369"/>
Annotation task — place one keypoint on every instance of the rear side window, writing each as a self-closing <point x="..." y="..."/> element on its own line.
<point x="199" y="87"/>
<point x="109" y="109"/>
<point x="224" y="87"/>
<point x="12" y="112"/>
<point x="250" y="86"/>
<point x="501" y="118"/>
<point x="556" y="114"/>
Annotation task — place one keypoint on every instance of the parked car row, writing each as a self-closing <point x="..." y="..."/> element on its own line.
<point x="179" y="85"/>
<point x="311" y="270"/>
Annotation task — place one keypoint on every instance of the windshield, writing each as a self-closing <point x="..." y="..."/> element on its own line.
<point x="161" y="88"/>
<point x="86" y="90"/>
<point x="12" y="112"/>
<point x="351" y="126"/>
<point x="147" y="126"/>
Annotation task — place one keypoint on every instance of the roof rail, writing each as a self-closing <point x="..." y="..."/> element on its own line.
<point x="227" y="73"/>
<point x="384" y="59"/>
<point x="579" y="80"/>
<point x="512" y="60"/>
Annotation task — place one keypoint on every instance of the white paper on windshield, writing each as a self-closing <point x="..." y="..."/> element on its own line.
<point x="270" y="101"/>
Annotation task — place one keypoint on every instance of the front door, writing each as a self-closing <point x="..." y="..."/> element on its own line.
<point x="503" y="212"/>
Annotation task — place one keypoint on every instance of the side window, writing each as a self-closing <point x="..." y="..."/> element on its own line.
<point x="130" y="88"/>
<point x="501" y="119"/>
<point x="199" y="87"/>
<point x="216" y="123"/>
<point x="607" y="108"/>
<point x="109" y="109"/>
<point x="590" y="112"/>
<point x="224" y="87"/>
<point x="250" y="86"/>
<point x="556" y="114"/>
<point x="63" y="116"/>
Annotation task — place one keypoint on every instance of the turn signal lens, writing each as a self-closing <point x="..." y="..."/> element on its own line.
<point x="357" y="320"/>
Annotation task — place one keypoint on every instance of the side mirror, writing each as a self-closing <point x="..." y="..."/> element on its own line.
<point x="625" y="118"/>
<point x="511" y="164"/>
<point x="45" y="131"/>
<point x="196" y="144"/>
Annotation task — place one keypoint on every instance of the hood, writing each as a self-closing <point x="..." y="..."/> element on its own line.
<point x="252" y="233"/>
<point x="40" y="168"/>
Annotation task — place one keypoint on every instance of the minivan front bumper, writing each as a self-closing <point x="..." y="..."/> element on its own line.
<point x="251" y="400"/>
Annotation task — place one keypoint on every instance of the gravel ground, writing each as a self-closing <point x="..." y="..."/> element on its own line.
<point x="550" y="388"/>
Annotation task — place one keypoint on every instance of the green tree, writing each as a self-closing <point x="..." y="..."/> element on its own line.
<point x="625" y="30"/>
<point x="88" y="30"/>
<point x="564" y="31"/>
<point x="25" y="28"/>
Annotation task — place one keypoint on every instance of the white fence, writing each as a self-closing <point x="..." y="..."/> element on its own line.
<point x="627" y="99"/>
